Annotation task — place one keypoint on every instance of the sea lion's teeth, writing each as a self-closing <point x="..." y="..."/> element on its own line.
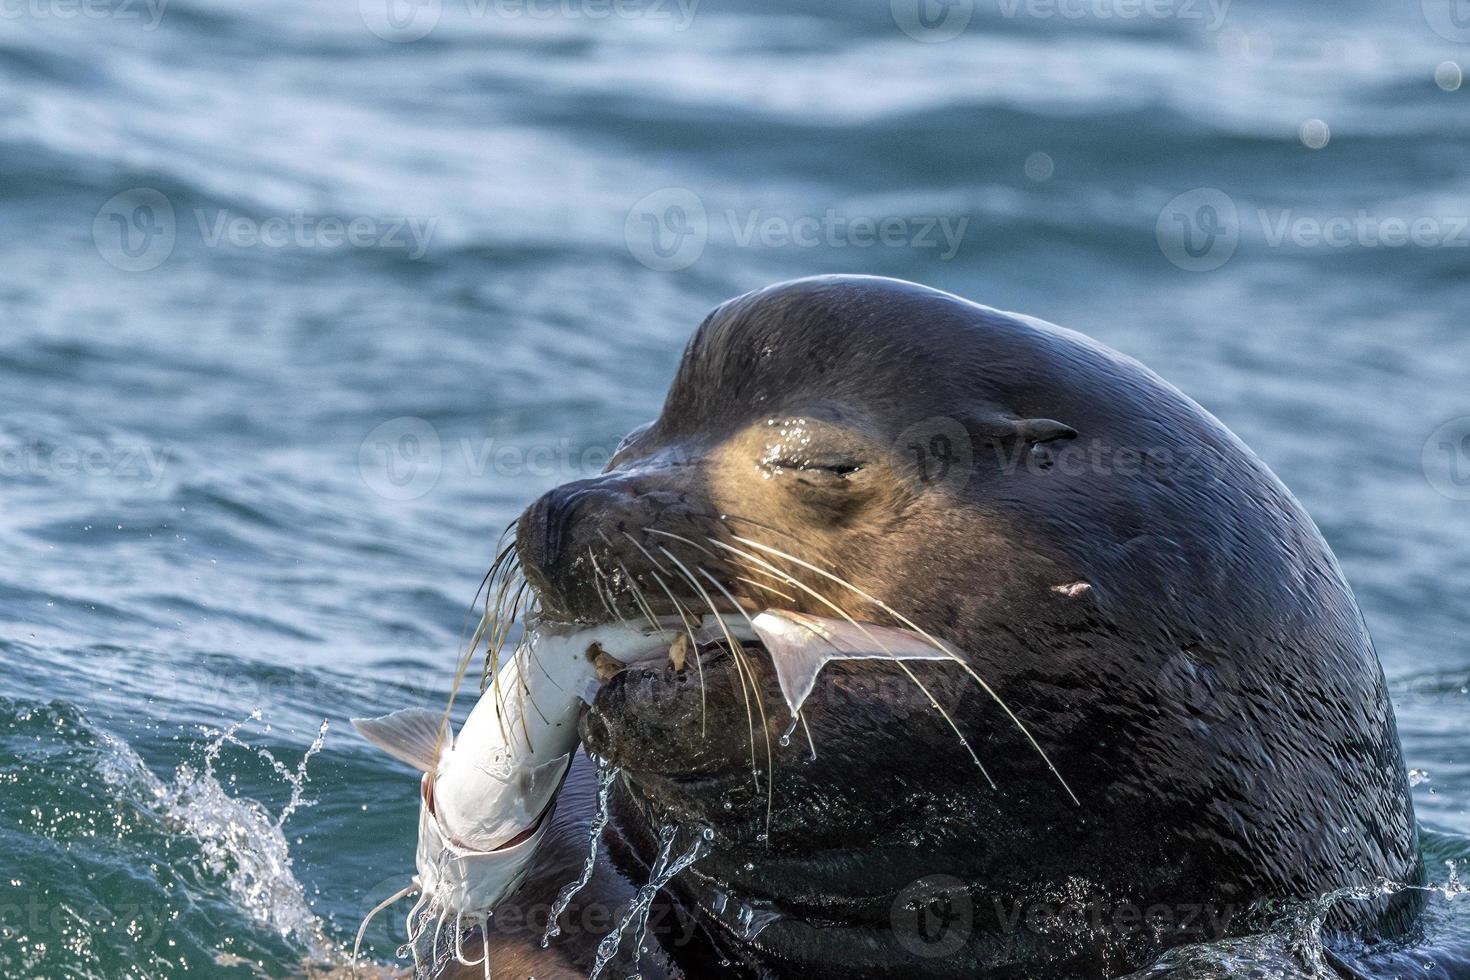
<point x="679" y="651"/>
<point x="607" y="665"/>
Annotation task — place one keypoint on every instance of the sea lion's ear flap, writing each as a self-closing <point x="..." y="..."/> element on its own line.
<point x="1029" y="431"/>
<point x="1043" y="430"/>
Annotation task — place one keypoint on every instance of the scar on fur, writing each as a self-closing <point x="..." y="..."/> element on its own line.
<point x="1072" y="590"/>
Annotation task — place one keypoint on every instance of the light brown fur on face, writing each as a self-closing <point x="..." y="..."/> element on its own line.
<point x="821" y="490"/>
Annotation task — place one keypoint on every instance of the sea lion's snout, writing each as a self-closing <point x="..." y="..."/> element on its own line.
<point x="585" y="545"/>
<point x="550" y="530"/>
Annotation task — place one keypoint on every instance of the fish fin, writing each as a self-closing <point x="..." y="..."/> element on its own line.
<point x="416" y="736"/>
<point x="801" y="645"/>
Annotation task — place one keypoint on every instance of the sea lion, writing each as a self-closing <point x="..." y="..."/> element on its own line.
<point x="1169" y="714"/>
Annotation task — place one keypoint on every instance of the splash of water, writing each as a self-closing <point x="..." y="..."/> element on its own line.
<point x="1301" y="924"/>
<point x="240" y="841"/>
<point x="636" y="915"/>
<point x="606" y="775"/>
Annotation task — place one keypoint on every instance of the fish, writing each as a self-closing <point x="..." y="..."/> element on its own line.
<point x="488" y="793"/>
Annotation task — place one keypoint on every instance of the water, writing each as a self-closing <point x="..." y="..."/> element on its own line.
<point x="634" y="919"/>
<point x="245" y="467"/>
<point x="606" y="775"/>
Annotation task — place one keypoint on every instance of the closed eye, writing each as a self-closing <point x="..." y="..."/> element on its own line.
<point x="843" y="468"/>
<point x="838" y="466"/>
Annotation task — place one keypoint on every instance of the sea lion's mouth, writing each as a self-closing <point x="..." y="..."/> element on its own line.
<point x="679" y="713"/>
<point x="683" y="654"/>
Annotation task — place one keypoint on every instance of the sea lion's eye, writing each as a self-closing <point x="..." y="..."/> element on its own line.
<point x="820" y="470"/>
<point x="812" y="454"/>
<point x="835" y="466"/>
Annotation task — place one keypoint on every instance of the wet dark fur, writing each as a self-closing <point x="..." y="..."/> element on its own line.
<point x="1212" y="697"/>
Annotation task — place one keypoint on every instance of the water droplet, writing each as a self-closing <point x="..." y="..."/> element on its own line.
<point x="1039" y="167"/>
<point x="1315" y="134"/>
<point x="1448" y="76"/>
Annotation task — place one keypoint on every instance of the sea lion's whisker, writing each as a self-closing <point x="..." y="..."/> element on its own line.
<point x="936" y="643"/>
<point x="504" y="620"/>
<point x="639" y="599"/>
<point x="504" y="570"/>
<point x="495" y="569"/>
<point x="741" y="609"/>
<point x="766" y="588"/>
<point x="469" y="654"/>
<point x="693" y="643"/>
<point x="738" y="652"/>
<point x="723" y="560"/>
<point x="735" y="645"/>
<point x="608" y="600"/>
<point x="740" y="669"/>
<point x="933" y="701"/>
<point x="506" y="613"/>
<point x="504" y="566"/>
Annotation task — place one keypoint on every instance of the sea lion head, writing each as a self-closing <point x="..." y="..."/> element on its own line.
<point x="1117" y="573"/>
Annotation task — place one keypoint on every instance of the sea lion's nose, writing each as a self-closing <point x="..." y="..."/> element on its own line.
<point x="589" y="546"/>
<point x="555" y="532"/>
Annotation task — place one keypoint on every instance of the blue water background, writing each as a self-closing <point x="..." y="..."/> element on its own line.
<point x="249" y="468"/>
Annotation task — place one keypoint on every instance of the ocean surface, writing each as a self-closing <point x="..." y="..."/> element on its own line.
<point x="302" y="302"/>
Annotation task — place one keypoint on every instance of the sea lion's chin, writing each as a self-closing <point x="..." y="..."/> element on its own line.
<point x="680" y="735"/>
